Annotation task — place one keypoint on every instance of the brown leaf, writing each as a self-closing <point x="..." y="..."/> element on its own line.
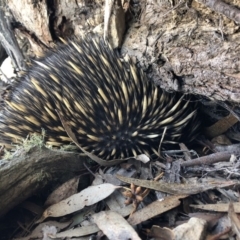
<point x="64" y="191"/>
<point x="234" y="220"/>
<point x="77" y="232"/>
<point x="155" y="209"/>
<point x="220" y="207"/>
<point x="221" y="126"/>
<point x="161" y="233"/>
<point x="175" y="188"/>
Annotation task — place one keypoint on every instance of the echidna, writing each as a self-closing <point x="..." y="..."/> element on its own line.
<point x="109" y="104"/>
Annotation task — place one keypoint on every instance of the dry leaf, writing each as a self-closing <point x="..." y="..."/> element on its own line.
<point x="211" y="218"/>
<point x="37" y="233"/>
<point x="77" y="232"/>
<point x="64" y="191"/>
<point x="176" y="188"/>
<point x="81" y="216"/>
<point x="234" y="220"/>
<point x="76" y="202"/>
<point x="220" y="207"/>
<point x="116" y="202"/>
<point x="195" y="229"/>
<point x="155" y="209"/>
<point x="221" y="140"/>
<point x="114" y="226"/>
<point x="161" y="233"/>
<point x="220" y="126"/>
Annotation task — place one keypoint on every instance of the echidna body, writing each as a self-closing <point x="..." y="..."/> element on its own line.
<point x="109" y="104"/>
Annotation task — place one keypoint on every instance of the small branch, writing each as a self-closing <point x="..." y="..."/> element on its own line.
<point x="207" y="160"/>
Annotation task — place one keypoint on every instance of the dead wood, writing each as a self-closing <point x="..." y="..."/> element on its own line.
<point x="29" y="172"/>
<point x="188" y="48"/>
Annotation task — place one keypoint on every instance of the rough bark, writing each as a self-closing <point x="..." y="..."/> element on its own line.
<point x="29" y="172"/>
<point x="187" y="46"/>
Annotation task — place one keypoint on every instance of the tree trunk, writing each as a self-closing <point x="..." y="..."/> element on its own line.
<point x="189" y="48"/>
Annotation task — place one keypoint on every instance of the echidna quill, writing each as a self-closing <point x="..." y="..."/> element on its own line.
<point x="111" y="107"/>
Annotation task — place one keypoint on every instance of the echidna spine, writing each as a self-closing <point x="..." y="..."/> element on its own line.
<point x="109" y="104"/>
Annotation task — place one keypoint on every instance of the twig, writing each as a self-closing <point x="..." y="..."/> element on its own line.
<point x="210" y="159"/>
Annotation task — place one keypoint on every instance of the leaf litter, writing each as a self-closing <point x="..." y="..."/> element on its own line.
<point x="128" y="206"/>
<point x="76" y="202"/>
